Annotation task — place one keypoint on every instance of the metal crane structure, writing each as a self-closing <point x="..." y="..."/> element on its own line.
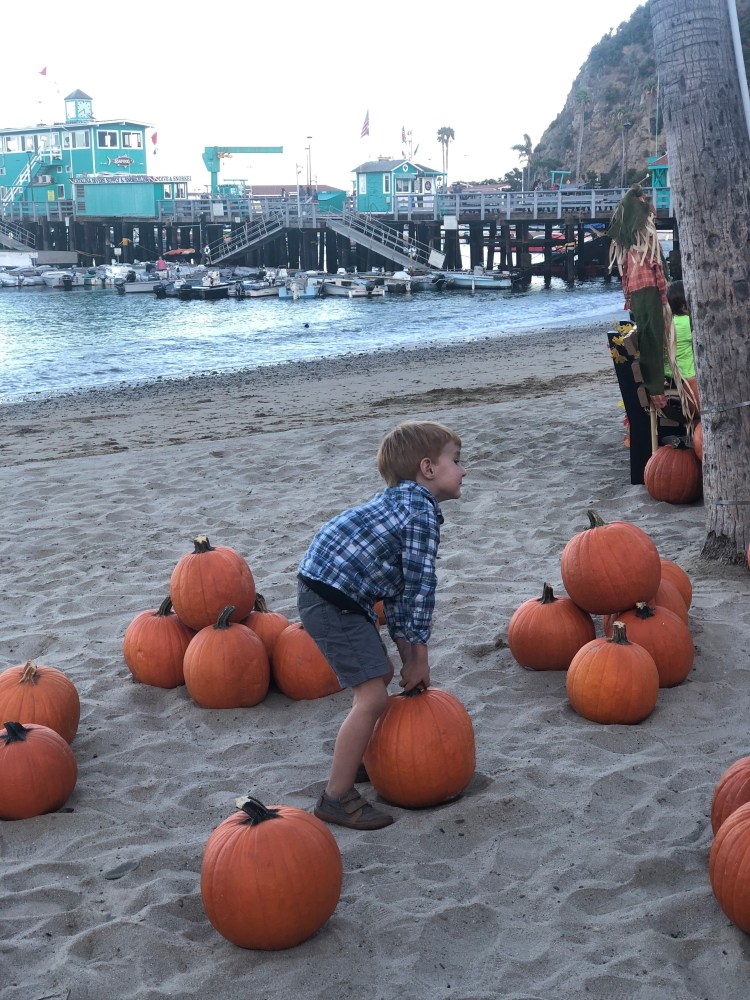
<point x="213" y="155"/>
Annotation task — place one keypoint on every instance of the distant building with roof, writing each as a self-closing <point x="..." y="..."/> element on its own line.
<point x="379" y="184"/>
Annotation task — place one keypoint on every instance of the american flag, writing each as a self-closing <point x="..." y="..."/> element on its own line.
<point x="403" y="133"/>
<point x="366" y="126"/>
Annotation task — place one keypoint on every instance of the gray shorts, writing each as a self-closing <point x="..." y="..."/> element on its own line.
<point x="349" y="641"/>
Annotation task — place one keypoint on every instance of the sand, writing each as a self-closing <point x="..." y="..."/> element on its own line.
<point x="576" y="862"/>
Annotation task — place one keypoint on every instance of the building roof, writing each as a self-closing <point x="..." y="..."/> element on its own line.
<point x="386" y="165"/>
<point x="78" y="95"/>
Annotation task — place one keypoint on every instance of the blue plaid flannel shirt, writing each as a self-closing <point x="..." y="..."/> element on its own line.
<point x="384" y="550"/>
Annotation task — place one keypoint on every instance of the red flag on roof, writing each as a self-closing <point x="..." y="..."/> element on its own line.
<point x="43" y="72"/>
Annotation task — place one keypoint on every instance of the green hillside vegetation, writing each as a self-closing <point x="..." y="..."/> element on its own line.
<point x="607" y="128"/>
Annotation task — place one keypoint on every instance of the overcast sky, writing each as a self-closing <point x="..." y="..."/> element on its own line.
<point x="305" y="75"/>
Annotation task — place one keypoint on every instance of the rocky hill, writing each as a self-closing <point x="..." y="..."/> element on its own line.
<point x="608" y="126"/>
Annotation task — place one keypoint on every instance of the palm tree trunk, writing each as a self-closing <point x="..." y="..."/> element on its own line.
<point x="709" y="161"/>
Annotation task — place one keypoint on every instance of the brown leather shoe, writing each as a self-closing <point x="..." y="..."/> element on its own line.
<point x="352" y="811"/>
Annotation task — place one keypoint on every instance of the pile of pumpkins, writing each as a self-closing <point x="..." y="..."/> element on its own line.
<point x="38" y="769"/>
<point x="729" y="860"/>
<point x="214" y="634"/>
<point x="613" y="570"/>
<point x="674" y="473"/>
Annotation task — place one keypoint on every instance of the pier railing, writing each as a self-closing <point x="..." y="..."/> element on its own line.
<point x="566" y="204"/>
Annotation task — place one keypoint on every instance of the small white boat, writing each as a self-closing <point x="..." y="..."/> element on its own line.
<point x="404" y="281"/>
<point x="351" y="287"/>
<point x="210" y="286"/>
<point x="478" y="279"/>
<point x="260" y="288"/>
<point x="137" y="284"/>
<point x="303" y="285"/>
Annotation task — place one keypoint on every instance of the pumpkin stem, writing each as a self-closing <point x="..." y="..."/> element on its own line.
<point x="165" y="608"/>
<point x="413" y="693"/>
<point x="15" y="732"/>
<point x="226" y="614"/>
<point x="595" y="520"/>
<point x="202" y="544"/>
<point x="548" y="596"/>
<point x="642" y="610"/>
<point x="619" y="635"/>
<point x="673" y="442"/>
<point x="260" y="603"/>
<point x="255" y="811"/>
<point x="29" y="674"/>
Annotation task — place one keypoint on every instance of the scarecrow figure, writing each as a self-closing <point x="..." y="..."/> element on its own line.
<point x="636" y="251"/>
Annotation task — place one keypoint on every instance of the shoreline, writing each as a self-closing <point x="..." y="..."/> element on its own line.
<point x="304" y="393"/>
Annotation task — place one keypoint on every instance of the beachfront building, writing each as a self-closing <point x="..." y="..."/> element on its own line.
<point x="385" y="186"/>
<point x="41" y="163"/>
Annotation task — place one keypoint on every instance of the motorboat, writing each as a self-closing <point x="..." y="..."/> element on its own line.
<point x="405" y="281"/>
<point x="209" y="286"/>
<point x="135" y="284"/>
<point x="302" y="285"/>
<point x="479" y="279"/>
<point x="350" y="286"/>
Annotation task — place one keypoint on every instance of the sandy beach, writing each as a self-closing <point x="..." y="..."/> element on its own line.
<point x="575" y="864"/>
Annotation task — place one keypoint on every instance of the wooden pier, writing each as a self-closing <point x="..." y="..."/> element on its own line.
<point x="551" y="233"/>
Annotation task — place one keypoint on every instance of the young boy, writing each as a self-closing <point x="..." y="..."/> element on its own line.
<point x="383" y="550"/>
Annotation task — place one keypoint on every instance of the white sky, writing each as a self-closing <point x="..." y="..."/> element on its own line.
<point x="267" y="76"/>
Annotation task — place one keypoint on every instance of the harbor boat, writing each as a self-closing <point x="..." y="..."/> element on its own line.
<point x="257" y="288"/>
<point x="302" y="285"/>
<point x="405" y="281"/>
<point x="479" y="279"/>
<point x="136" y="284"/>
<point x="210" y="286"/>
<point x="351" y="287"/>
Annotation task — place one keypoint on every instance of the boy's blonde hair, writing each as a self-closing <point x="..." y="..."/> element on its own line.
<point x="403" y="448"/>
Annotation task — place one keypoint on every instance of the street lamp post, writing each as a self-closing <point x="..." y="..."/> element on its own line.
<point x="309" y="163"/>
<point x="298" y="168"/>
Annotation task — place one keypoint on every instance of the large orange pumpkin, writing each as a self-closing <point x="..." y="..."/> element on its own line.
<point x="226" y="665"/>
<point x="299" y="669"/>
<point x="668" y="596"/>
<point x="665" y="637"/>
<point x="208" y="579"/>
<point x="38" y="771"/>
<point x="42" y="695"/>
<point x="732" y="791"/>
<point x="154" y="646"/>
<point x="674" y="474"/>
<point x="608" y="567"/>
<point x="613" y="681"/>
<point x="422" y="750"/>
<point x="676" y="575"/>
<point x="546" y="632"/>
<point x="729" y="867"/>
<point x="270" y="876"/>
<point x="267" y="625"/>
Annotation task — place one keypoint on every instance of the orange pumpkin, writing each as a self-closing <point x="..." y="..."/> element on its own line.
<point x="676" y="575"/>
<point x="611" y="566"/>
<point x="422" y="750"/>
<point x="42" y="695"/>
<point x="226" y="665"/>
<point x="668" y="596"/>
<point x="299" y="669"/>
<point x="208" y="579"/>
<point x="546" y="632"/>
<point x="267" y="625"/>
<point x="270" y="877"/>
<point x="38" y="771"/>
<point x="673" y="474"/>
<point x="729" y="867"/>
<point x="154" y="646"/>
<point x="665" y="637"/>
<point x="698" y="440"/>
<point x="732" y="791"/>
<point x="613" y="681"/>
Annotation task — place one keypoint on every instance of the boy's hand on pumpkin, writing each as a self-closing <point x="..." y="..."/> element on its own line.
<point x="415" y="674"/>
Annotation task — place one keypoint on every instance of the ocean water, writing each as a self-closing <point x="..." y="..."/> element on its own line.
<point x="53" y="342"/>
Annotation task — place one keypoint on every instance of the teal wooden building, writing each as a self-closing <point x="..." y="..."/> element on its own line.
<point x="386" y="186"/>
<point x="101" y="165"/>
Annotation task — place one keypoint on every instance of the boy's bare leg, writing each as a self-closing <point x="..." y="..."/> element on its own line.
<point x="370" y="700"/>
